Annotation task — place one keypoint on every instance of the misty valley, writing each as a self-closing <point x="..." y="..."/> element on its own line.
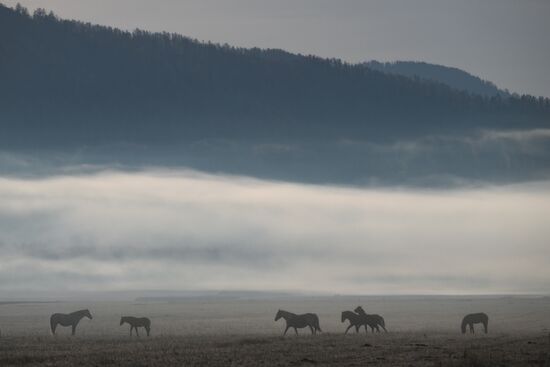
<point x="254" y="183"/>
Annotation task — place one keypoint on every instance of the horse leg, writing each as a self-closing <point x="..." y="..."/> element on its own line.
<point x="350" y="325"/>
<point x="287" y="327"/>
<point x="137" y="332"/>
<point x="131" y="327"/>
<point x="472" y="329"/>
<point x="486" y="327"/>
<point x="312" y="330"/>
<point x="296" y="330"/>
<point x="148" y="330"/>
<point x="74" y="329"/>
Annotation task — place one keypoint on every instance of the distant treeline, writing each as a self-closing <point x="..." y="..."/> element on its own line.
<point x="453" y="77"/>
<point x="66" y="83"/>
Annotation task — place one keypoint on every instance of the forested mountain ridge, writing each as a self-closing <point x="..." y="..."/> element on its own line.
<point x="453" y="77"/>
<point x="76" y="95"/>
<point x="68" y="83"/>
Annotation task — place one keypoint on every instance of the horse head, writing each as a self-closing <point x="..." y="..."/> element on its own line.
<point x="463" y="326"/>
<point x="279" y="315"/>
<point x="122" y="320"/>
<point x="344" y="316"/>
<point x="88" y="314"/>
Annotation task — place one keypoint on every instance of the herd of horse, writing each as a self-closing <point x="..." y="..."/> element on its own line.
<point x="356" y="318"/>
<point x="72" y="320"/>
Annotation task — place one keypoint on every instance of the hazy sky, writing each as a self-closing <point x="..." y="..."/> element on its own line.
<point x="505" y="41"/>
<point x="184" y="230"/>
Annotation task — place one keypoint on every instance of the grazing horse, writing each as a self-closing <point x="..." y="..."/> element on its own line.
<point x="475" y="318"/>
<point x="136" y="322"/>
<point x="373" y="320"/>
<point x="71" y="319"/>
<point x="354" y="320"/>
<point x="310" y="320"/>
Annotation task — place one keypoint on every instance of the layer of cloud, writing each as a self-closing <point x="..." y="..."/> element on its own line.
<point x="184" y="230"/>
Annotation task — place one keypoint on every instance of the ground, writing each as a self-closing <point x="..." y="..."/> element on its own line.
<point x="328" y="349"/>
<point x="422" y="331"/>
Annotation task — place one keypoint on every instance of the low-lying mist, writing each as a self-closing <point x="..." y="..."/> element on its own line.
<point x="495" y="157"/>
<point x="183" y="230"/>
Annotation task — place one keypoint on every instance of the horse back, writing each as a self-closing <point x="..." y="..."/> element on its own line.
<point x="303" y="320"/>
<point x="138" y="321"/>
<point x="62" y="319"/>
<point x="475" y="318"/>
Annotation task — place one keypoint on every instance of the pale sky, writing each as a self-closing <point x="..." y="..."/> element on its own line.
<point x="504" y="41"/>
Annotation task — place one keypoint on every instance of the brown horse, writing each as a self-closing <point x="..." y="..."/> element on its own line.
<point x="310" y="320"/>
<point x="354" y="319"/>
<point x="136" y="322"/>
<point x="475" y="318"/>
<point x="71" y="319"/>
<point x="372" y="320"/>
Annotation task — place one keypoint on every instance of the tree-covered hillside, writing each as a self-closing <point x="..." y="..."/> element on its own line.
<point x="453" y="77"/>
<point x="69" y="83"/>
<point x="76" y="95"/>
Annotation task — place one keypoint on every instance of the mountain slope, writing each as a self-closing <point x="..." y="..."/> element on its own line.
<point x="65" y="82"/>
<point x="453" y="77"/>
<point x="75" y="95"/>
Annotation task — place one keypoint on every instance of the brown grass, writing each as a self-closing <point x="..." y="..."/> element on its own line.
<point x="392" y="349"/>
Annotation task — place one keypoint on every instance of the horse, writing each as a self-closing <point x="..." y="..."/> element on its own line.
<point x="71" y="319"/>
<point x="310" y="320"/>
<point x="136" y="322"/>
<point x="372" y="320"/>
<point x="354" y="320"/>
<point x="475" y="318"/>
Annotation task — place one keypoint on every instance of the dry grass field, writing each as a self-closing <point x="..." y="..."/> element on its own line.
<point x="423" y="331"/>
<point x="397" y="349"/>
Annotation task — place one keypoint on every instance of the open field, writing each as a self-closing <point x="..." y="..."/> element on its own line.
<point x="221" y="332"/>
<point x="395" y="349"/>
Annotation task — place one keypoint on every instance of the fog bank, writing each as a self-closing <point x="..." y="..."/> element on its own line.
<point x="189" y="231"/>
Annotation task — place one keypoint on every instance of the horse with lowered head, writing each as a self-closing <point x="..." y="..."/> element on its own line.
<point x="310" y="320"/>
<point x="372" y="320"/>
<point x="475" y="318"/>
<point x="70" y="319"/>
<point x="136" y="322"/>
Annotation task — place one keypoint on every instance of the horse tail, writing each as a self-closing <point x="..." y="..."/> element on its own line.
<point x="316" y="321"/>
<point x="383" y="324"/>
